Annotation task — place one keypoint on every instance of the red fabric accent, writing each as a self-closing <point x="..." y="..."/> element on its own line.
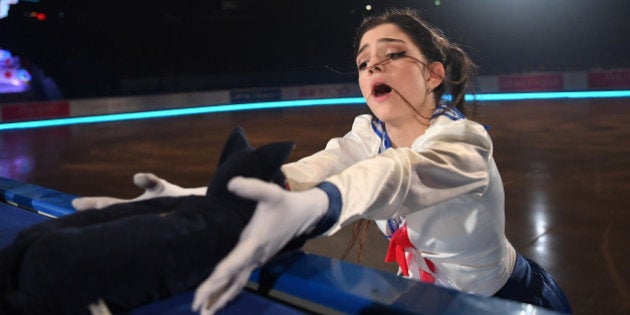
<point x="425" y="276"/>
<point x="396" y="250"/>
<point x="430" y="265"/>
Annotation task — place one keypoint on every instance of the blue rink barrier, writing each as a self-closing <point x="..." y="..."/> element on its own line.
<point x="292" y="283"/>
<point x="42" y="200"/>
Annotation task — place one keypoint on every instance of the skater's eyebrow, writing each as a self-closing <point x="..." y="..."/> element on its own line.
<point x="381" y="40"/>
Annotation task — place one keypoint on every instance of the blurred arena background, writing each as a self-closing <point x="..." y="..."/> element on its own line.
<point x="564" y="161"/>
<point x="80" y="49"/>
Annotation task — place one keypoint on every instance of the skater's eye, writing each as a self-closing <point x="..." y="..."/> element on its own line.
<point x="396" y="55"/>
<point x="362" y="65"/>
<point x="389" y="57"/>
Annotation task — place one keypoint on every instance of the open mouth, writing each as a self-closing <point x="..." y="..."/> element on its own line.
<point x="381" y="89"/>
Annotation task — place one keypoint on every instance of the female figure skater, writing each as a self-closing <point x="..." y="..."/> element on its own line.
<point x="418" y="167"/>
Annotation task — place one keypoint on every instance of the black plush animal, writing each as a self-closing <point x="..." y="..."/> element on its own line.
<point x="135" y="253"/>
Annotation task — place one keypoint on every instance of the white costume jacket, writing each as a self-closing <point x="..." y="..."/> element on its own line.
<point x="444" y="195"/>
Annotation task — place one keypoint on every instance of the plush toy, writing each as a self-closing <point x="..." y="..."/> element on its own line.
<point x="131" y="254"/>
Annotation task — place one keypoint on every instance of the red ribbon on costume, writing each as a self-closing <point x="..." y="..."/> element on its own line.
<point x="396" y="250"/>
<point x="398" y="242"/>
<point x="425" y="276"/>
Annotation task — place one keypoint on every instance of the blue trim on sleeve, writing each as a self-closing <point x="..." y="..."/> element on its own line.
<point x="334" y="209"/>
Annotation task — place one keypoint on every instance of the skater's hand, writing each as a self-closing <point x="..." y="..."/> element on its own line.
<point x="279" y="217"/>
<point x="153" y="187"/>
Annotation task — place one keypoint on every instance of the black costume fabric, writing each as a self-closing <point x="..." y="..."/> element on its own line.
<point x="135" y="253"/>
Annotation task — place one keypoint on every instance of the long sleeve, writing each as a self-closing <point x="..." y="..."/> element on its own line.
<point x="447" y="192"/>
<point x="450" y="160"/>
<point x="358" y="144"/>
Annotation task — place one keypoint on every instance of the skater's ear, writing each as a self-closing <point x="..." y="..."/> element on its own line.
<point x="236" y="141"/>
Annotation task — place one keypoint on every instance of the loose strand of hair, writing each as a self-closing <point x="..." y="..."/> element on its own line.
<point x="353" y="239"/>
<point x="357" y="235"/>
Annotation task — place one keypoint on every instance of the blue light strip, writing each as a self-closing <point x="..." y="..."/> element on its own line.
<point x="179" y="112"/>
<point x="547" y="95"/>
<point x="293" y="103"/>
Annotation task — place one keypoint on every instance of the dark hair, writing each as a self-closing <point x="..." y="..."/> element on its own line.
<point x="435" y="47"/>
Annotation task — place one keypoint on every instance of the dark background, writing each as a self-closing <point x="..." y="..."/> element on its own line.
<point x="93" y="49"/>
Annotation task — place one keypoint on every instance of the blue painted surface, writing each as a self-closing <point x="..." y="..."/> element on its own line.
<point x="47" y="201"/>
<point x="352" y="289"/>
<point x="245" y="303"/>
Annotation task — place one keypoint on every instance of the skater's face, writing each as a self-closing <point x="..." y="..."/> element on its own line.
<point x="394" y="76"/>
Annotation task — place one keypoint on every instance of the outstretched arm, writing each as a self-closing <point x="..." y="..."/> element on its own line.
<point x="280" y="216"/>
<point x="153" y="187"/>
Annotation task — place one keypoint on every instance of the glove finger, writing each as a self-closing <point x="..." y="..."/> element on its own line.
<point x="211" y="291"/>
<point x="147" y="181"/>
<point x="253" y="188"/>
<point x="208" y="290"/>
<point x="228" y="295"/>
<point x="238" y="262"/>
<point x="86" y="203"/>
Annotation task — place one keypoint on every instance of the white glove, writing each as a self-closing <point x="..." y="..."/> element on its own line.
<point x="279" y="217"/>
<point x="153" y="187"/>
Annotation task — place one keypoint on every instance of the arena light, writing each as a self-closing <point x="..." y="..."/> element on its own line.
<point x="290" y="104"/>
<point x="4" y="7"/>
<point x="179" y="112"/>
<point x="40" y="16"/>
